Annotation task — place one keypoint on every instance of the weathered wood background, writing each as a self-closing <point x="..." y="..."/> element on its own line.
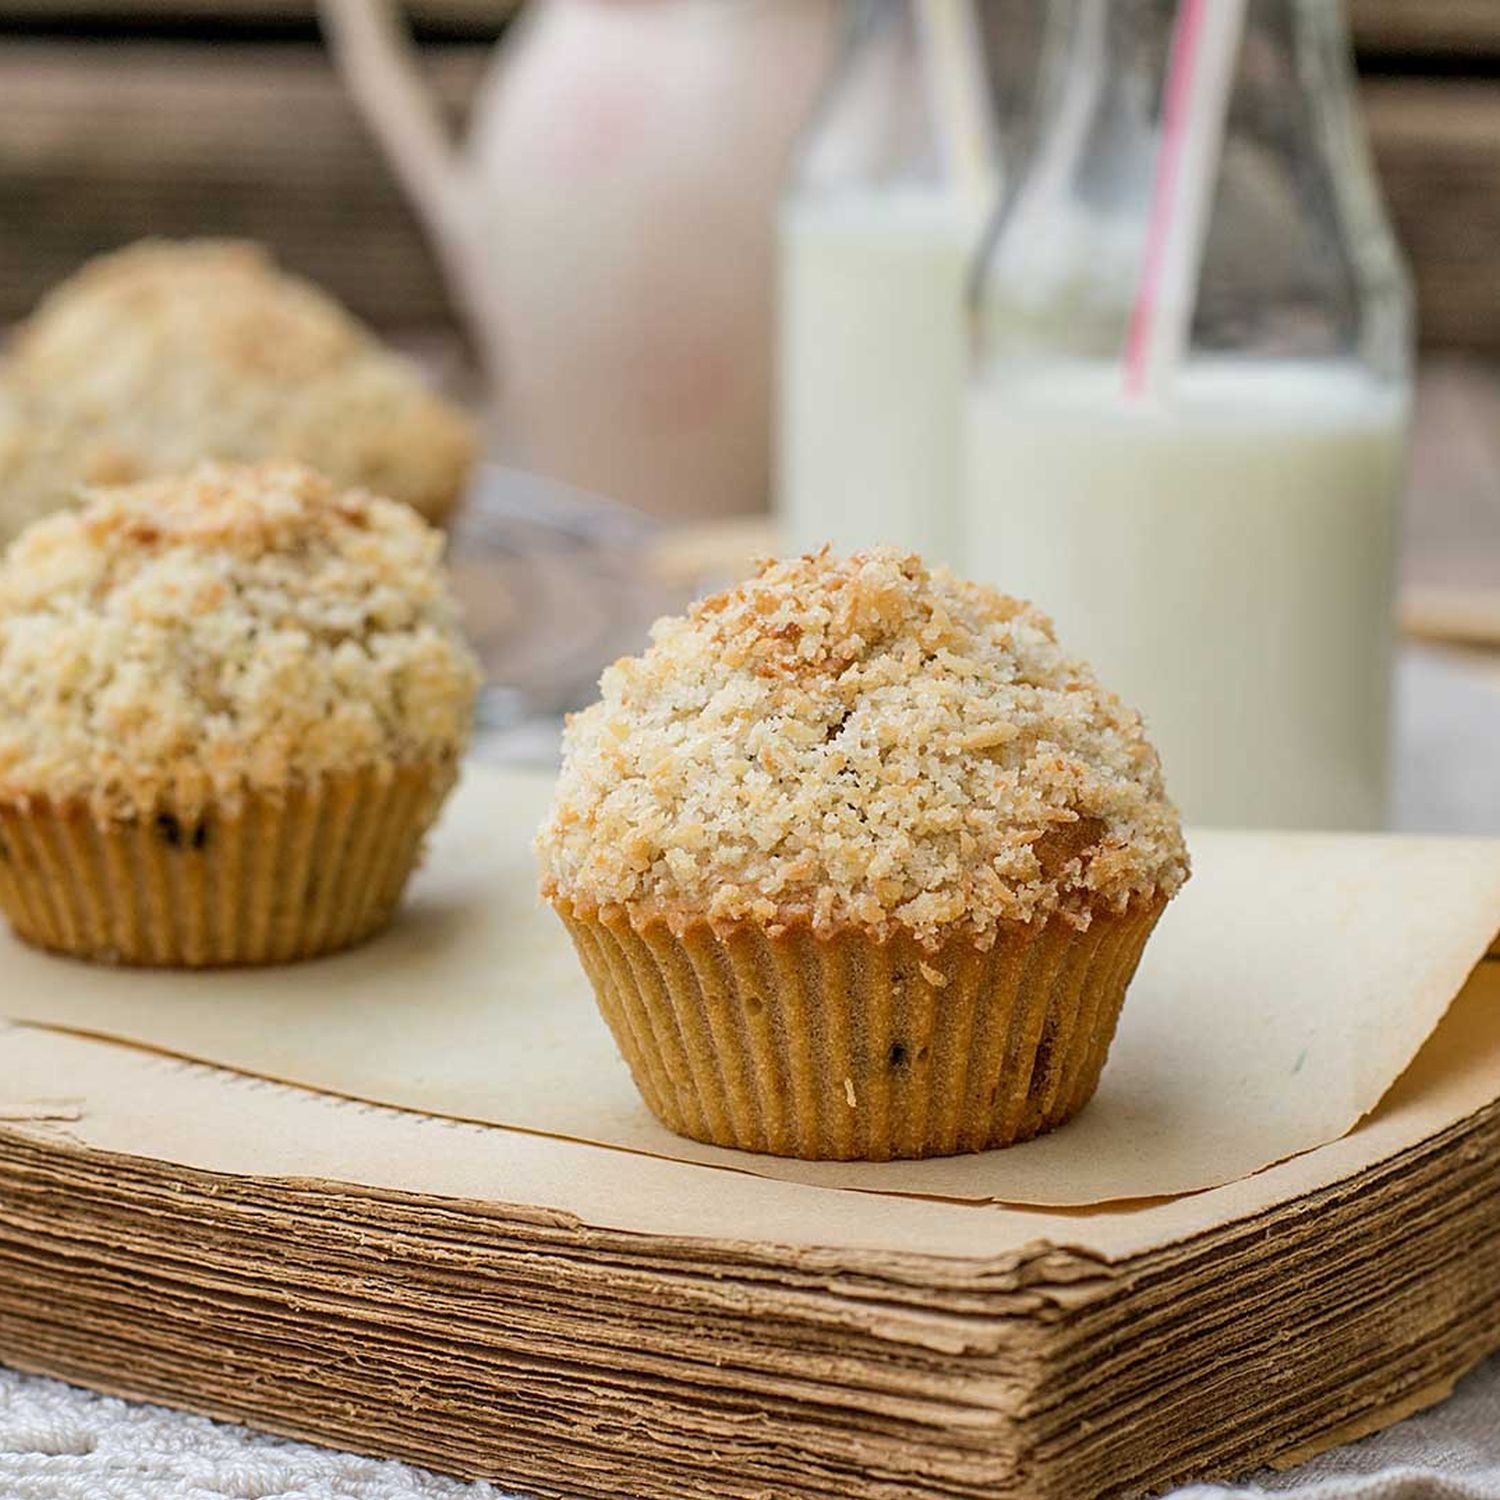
<point x="124" y="117"/>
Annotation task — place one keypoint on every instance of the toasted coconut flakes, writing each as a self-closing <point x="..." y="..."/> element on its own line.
<point x="187" y="639"/>
<point x="156" y="357"/>
<point x="860" y="741"/>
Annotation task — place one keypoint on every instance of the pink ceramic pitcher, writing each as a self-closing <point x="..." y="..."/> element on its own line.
<point x="607" y="227"/>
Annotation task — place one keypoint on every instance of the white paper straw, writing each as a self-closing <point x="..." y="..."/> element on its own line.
<point x="960" y="94"/>
<point x="1205" y="46"/>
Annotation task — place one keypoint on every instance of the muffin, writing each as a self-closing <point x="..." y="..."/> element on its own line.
<point x="859" y="862"/>
<point x="164" y="354"/>
<point x="231" y="706"/>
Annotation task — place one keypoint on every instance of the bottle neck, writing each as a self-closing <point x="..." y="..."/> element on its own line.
<point x="1298" y="261"/>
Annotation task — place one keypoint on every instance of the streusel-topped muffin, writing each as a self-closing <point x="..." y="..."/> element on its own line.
<point x="165" y="354"/>
<point x="231" y="705"/>
<point x="860" y="862"/>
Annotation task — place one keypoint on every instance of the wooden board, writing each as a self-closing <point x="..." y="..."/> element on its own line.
<point x="1459" y="28"/>
<point x="103" y="142"/>
<point x="475" y="15"/>
<point x="1437" y="144"/>
<point x="1433" y="27"/>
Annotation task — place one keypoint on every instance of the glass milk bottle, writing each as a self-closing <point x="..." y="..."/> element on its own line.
<point x="1217" y="535"/>
<point x="877" y="237"/>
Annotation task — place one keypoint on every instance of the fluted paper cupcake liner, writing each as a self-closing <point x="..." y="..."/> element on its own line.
<point x="841" y="1048"/>
<point x="281" y="877"/>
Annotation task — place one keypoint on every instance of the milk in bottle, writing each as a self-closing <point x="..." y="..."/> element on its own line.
<point x="878" y="234"/>
<point x="1225" y="563"/>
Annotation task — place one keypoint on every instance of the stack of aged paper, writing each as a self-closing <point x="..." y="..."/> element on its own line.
<point x="405" y="1201"/>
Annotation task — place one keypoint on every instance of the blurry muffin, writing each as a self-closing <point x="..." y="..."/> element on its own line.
<point x="231" y="706"/>
<point x="164" y="354"/>
<point x="860" y="863"/>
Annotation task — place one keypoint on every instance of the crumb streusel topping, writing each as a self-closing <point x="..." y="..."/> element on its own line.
<point x="859" y="741"/>
<point x="165" y="354"/>
<point x="189" y="639"/>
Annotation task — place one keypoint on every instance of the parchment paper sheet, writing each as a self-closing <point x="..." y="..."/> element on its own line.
<point x="147" y="1107"/>
<point x="1285" y="991"/>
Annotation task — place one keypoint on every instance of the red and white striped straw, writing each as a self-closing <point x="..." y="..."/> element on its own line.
<point x="1205" y="44"/>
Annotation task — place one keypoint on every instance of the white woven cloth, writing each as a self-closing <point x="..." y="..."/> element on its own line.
<point x="60" y="1443"/>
